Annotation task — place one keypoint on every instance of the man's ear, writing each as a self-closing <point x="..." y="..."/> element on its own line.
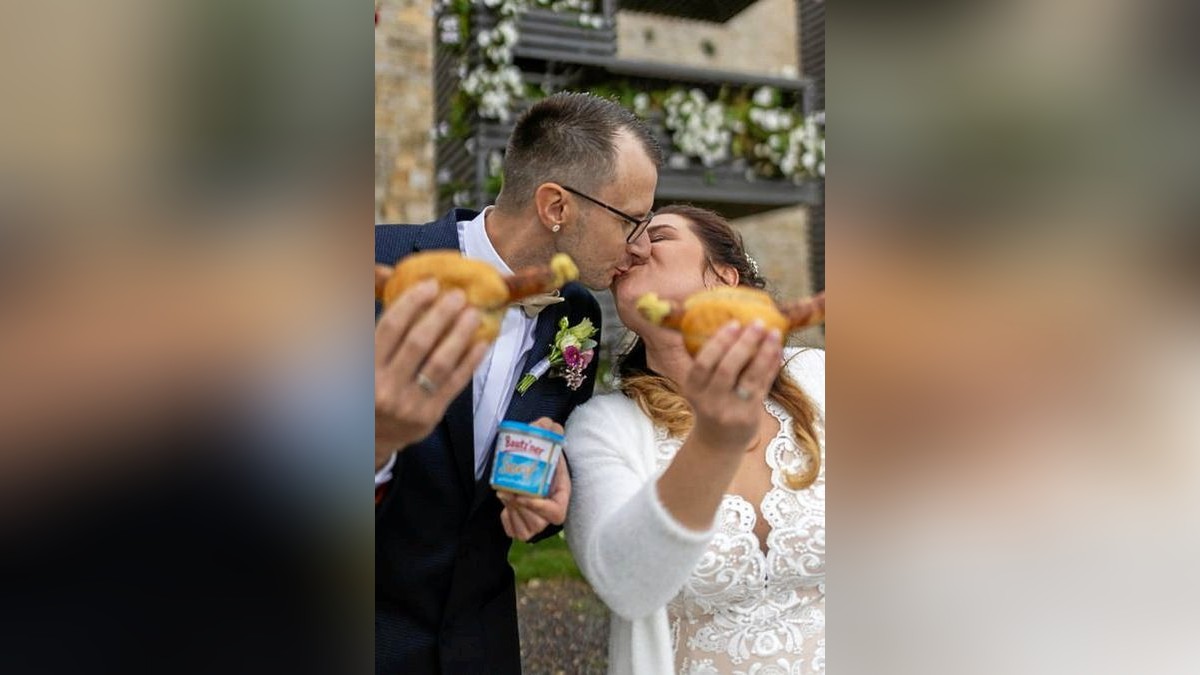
<point x="552" y="206"/>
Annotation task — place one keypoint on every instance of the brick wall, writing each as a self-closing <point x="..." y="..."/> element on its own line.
<point x="405" y="186"/>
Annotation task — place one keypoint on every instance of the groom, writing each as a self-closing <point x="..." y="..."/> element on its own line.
<point x="579" y="177"/>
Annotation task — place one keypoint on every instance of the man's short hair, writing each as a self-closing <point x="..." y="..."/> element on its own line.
<point x="568" y="138"/>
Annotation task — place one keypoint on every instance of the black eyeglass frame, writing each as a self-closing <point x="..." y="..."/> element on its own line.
<point x="639" y="224"/>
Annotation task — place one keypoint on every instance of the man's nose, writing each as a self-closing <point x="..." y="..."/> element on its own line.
<point x="639" y="249"/>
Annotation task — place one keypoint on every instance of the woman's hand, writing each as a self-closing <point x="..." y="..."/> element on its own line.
<point x="523" y="516"/>
<point x="728" y="382"/>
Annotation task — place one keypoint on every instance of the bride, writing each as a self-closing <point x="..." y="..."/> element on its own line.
<point x="698" y="489"/>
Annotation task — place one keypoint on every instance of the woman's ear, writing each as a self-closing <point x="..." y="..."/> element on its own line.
<point x="728" y="274"/>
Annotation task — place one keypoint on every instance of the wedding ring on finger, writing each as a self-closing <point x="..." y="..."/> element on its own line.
<point x="426" y="384"/>
<point x="742" y="393"/>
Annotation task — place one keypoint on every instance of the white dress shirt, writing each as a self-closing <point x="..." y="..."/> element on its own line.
<point x="495" y="379"/>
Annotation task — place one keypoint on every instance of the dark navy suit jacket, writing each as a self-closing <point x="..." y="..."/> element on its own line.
<point x="444" y="593"/>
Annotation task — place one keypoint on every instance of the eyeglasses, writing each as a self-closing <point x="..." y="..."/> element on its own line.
<point x="639" y="224"/>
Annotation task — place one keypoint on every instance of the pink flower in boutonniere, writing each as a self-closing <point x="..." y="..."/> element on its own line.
<point x="570" y="355"/>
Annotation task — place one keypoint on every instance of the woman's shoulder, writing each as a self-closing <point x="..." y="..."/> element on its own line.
<point x="610" y="427"/>
<point x="806" y="366"/>
<point x="611" y="407"/>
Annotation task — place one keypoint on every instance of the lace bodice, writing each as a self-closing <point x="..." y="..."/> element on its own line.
<point x="745" y="612"/>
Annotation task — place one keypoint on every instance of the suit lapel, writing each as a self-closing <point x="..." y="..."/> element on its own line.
<point x="523" y="406"/>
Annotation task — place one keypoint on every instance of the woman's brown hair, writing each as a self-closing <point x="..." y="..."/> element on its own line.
<point x="661" y="399"/>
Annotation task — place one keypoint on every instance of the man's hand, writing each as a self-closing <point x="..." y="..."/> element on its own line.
<point x="424" y="356"/>
<point x="523" y="516"/>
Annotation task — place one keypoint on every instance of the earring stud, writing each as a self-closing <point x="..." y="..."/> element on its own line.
<point x="556" y="227"/>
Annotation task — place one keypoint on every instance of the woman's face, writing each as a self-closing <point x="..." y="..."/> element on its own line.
<point x="676" y="268"/>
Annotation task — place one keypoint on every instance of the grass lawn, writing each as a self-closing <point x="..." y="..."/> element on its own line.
<point x="547" y="559"/>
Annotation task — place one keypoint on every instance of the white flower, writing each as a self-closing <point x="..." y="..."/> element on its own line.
<point x="698" y="127"/>
<point x="493" y="103"/>
<point x="821" y="169"/>
<point x="448" y="29"/>
<point x="677" y="161"/>
<point x="443" y="176"/>
<point x="765" y="96"/>
<point x="641" y="103"/>
<point x="495" y="163"/>
<point x="508" y="31"/>
<point x="484" y="38"/>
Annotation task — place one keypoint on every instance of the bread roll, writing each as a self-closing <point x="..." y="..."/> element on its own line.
<point x="485" y="288"/>
<point x="704" y="313"/>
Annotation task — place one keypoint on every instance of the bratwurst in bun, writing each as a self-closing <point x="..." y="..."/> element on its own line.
<point x="485" y="288"/>
<point x="704" y="313"/>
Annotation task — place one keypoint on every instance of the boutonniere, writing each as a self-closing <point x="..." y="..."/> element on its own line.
<point x="570" y="354"/>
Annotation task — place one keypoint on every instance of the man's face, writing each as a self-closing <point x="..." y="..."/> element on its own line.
<point x="597" y="242"/>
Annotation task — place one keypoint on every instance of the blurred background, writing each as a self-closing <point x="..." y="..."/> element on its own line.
<point x="185" y="341"/>
<point x="735" y="93"/>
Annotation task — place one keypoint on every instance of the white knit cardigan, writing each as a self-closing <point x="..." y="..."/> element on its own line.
<point x="633" y="552"/>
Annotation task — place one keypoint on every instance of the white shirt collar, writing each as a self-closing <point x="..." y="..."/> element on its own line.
<point x="478" y="246"/>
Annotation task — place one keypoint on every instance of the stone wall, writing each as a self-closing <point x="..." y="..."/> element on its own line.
<point x="761" y="40"/>
<point x="405" y="188"/>
<point x="778" y="241"/>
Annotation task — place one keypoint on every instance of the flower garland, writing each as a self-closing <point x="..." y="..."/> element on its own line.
<point x="784" y="142"/>
<point x="698" y="127"/>
<point x="752" y="129"/>
<point x="495" y="85"/>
